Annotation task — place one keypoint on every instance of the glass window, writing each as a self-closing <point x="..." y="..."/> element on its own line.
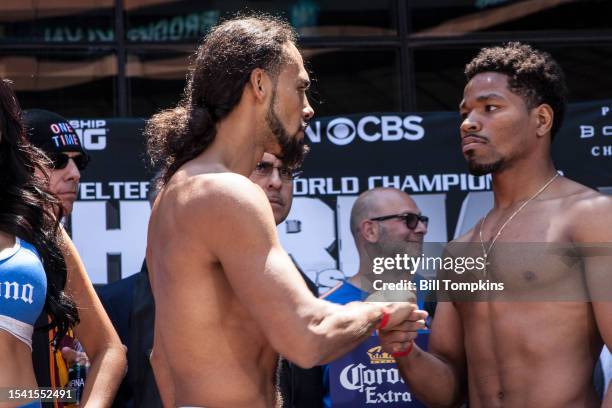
<point x="72" y="83"/>
<point x="156" y="79"/>
<point x="463" y="17"/>
<point x="343" y="18"/>
<point x="440" y="79"/>
<point x="353" y="81"/>
<point x="56" y="22"/>
<point x="343" y="81"/>
<point x="188" y="20"/>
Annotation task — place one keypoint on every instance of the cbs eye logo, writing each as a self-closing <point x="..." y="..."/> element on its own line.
<point x="341" y="131"/>
<point x="387" y="128"/>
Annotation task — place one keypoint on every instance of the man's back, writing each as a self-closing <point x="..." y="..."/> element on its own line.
<point x="199" y="321"/>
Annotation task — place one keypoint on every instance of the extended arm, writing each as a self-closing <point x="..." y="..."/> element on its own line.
<point x="96" y="333"/>
<point x="304" y="329"/>
<point x="438" y="377"/>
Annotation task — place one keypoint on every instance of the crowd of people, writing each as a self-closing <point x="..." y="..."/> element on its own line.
<point x="221" y="316"/>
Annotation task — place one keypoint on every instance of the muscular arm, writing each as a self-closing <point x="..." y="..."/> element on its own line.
<point x="438" y="377"/>
<point x="304" y="329"/>
<point x="96" y="333"/>
<point x="593" y="235"/>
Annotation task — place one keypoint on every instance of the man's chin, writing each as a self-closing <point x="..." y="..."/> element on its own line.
<point x="477" y="168"/>
<point x="477" y="171"/>
<point x="67" y="208"/>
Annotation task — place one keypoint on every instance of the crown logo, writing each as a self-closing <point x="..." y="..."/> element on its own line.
<point x="377" y="356"/>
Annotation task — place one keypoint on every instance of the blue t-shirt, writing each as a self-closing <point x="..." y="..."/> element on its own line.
<point x="342" y="294"/>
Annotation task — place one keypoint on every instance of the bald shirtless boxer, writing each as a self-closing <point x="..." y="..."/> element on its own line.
<point x="228" y="298"/>
<point x="512" y="353"/>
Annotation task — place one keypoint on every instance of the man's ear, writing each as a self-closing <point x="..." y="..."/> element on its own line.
<point x="369" y="230"/>
<point x="544" y="116"/>
<point x="260" y="84"/>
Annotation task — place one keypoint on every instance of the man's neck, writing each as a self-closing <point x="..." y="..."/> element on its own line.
<point x="521" y="181"/>
<point x="236" y="146"/>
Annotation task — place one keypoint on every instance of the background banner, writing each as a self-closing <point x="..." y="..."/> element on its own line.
<point x="416" y="152"/>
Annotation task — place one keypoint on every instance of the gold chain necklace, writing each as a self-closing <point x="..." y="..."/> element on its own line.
<point x="486" y="251"/>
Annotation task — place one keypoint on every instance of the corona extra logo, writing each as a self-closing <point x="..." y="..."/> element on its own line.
<point x="377" y="356"/>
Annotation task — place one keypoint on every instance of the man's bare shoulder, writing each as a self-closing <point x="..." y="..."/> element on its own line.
<point x="582" y="200"/>
<point x="589" y="214"/>
<point x="215" y="190"/>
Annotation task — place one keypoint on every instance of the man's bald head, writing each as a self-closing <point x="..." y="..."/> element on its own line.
<point x="390" y="236"/>
<point x="373" y="203"/>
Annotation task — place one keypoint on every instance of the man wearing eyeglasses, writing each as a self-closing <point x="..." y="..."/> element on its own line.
<point x="276" y="180"/>
<point x="53" y="134"/>
<point x="385" y="222"/>
<point x="299" y="387"/>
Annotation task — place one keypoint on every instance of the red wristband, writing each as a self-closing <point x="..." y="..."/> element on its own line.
<point x="384" y="320"/>
<point x="405" y="352"/>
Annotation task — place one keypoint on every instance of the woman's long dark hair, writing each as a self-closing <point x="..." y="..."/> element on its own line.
<point x="29" y="212"/>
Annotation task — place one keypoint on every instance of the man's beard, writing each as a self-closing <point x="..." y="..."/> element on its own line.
<point x="292" y="146"/>
<point x="480" y="169"/>
<point x="390" y="247"/>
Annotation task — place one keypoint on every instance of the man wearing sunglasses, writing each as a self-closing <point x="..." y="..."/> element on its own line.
<point x="299" y="387"/>
<point x="385" y="222"/>
<point x="53" y="134"/>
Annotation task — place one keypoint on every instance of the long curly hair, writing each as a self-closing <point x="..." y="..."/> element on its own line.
<point x="532" y="74"/>
<point x="222" y="67"/>
<point x="29" y="211"/>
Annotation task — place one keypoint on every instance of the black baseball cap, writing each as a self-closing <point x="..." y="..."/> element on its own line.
<point x="51" y="132"/>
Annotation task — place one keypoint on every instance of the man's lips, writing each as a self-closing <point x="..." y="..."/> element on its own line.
<point x="275" y="201"/>
<point x="471" y="141"/>
<point x="69" y="196"/>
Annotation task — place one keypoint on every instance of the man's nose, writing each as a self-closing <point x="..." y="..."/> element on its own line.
<point x="421" y="227"/>
<point x="470" y="124"/>
<point x="72" y="171"/>
<point x="308" y="111"/>
<point x="274" y="180"/>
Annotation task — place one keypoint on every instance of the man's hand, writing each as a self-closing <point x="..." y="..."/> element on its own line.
<point x="401" y="328"/>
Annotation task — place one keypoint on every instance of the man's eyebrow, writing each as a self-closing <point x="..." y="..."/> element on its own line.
<point x="491" y="95"/>
<point x="485" y="97"/>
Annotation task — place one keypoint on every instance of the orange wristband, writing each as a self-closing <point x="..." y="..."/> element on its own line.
<point x="405" y="352"/>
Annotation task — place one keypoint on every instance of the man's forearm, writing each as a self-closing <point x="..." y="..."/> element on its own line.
<point x="431" y="380"/>
<point x="341" y="329"/>
<point x="351" y="324"/>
